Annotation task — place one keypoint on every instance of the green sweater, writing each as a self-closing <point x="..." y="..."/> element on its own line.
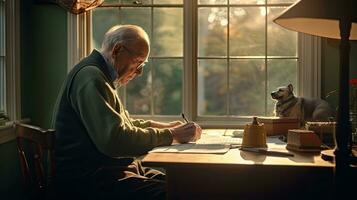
<point x="107" y="122"/>
<point x="92" y="125"/>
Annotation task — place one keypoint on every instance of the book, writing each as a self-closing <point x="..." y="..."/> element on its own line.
<point x="279" y="125"/>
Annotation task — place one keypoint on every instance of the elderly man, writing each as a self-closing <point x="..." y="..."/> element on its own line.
<point x="95" y="136"/>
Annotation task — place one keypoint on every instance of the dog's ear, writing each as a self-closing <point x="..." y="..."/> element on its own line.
<point x="290" y="87"/>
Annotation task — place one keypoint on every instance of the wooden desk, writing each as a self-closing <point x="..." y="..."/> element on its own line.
<point x="244" y="175"/>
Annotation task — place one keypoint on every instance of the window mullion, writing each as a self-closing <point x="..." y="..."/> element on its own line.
<point x="190" y="59"/>
<point x="228" y="61"/>
<point x="152" y="104"/>
<point x="266" y="60"/>
<point x="13" y="103"/>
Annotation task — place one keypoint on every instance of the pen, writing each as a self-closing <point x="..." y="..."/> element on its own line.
<point x="184" y="118"/>
<point x="267" y="152"/>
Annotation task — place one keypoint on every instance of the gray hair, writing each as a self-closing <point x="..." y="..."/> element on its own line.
<point x="125" y="34"/>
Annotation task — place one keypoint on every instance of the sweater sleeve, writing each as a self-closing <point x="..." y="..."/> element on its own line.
<point x="139" y="122"/>
<point x="110" y="129"/>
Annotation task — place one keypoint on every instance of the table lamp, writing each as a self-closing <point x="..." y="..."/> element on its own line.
<point x="331" y="19"/>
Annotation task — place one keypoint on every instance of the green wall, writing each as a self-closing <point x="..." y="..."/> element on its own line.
<point x="44" y="59"/>
<point x="330" y="68"/>
<point x="43" y="68"/>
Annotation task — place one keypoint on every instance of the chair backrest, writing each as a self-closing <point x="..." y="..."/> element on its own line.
<point x="33" y="143"/>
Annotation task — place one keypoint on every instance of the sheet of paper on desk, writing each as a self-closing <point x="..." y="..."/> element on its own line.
<point x="192" y="148"/>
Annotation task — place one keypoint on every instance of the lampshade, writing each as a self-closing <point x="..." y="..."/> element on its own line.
<point x="79" y="6"/>
<point x="319" y="17"/>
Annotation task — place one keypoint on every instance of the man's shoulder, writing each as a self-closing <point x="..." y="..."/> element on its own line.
<point x="88" y="75"/>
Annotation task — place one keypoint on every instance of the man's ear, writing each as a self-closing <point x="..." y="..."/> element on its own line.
<point x="290" y="86"/>
<point x="117" y="47"/>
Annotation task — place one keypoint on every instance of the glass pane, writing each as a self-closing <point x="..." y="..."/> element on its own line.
<point x="168" y="1"/>
<point x="212" y="1"/>
<point x="282" y="1"/>
<point x="212" y="86"/>
<point x="105" y="18"/>
<point x="281" y="72"/>
<point x="247" y="2"/>
<point x="247" y="31"/>
<point x="136" y="16"/>
<point x="138" y="93"/>
<point x="2" y="84"/>
<point x="212" y="32"/>
<point x="281" y="42"/>
<point x="167" y="79"/>
<point x="168" y="32"/>
<point x="247" y="87"/>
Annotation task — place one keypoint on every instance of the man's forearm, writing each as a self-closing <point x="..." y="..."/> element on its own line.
<point x="156" y="124"/>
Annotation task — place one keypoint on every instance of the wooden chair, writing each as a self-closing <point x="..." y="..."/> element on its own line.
<point x="34" y="145"/>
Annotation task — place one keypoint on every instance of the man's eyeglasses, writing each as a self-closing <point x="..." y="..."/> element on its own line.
<point x="140" y="67"/>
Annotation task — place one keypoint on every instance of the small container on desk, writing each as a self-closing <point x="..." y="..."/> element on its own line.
<point x="279" y="125"/>
<point x="325" y="131"/>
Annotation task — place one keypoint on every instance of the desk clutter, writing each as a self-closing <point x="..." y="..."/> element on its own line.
<point x="325" y="131"/>
<point x="303" y="140"/>
<point x="315" y="137"/>
<point x="254" y="135"/>
<point x="279" y="125"/>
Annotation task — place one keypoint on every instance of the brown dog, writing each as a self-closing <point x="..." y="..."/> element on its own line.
<point x="304" y="109"/>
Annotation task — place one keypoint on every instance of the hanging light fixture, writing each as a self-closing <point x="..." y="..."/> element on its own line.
<point x="79" y="6"/>
<point x="75" y="6"/>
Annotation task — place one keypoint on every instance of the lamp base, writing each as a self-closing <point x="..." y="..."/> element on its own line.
<point x="329" y="155"/>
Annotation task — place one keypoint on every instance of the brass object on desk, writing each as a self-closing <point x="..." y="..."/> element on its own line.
<point x="254" y="135"/>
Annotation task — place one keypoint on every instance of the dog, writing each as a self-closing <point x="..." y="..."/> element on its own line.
<point x="287" y="105"/>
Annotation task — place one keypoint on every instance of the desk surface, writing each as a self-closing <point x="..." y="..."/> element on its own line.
<point x="235" y="157"/>
<point x="244" y="175"/>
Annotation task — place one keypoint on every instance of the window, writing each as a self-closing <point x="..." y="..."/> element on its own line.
<point x="159" y="90"/>
<point x="9" y="61"/>
<point x="242" y="56"/>
<point x="216" y="60"/>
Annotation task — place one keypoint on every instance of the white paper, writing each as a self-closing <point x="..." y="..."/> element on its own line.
<point x="192" y="148"/>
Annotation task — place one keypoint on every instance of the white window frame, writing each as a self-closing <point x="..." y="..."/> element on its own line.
<point x="78" y="29"/>
<point x="309" y="65"/>
<point x="12" y="68"/>
<point x="13" y="88"/>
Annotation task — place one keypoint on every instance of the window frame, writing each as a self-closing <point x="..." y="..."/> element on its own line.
<point x="309" y="66"/>
<point x="12" y="91"/>
<point x="12" y="37"/>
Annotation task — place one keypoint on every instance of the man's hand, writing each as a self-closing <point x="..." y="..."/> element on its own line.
<point x="184" y="133"/>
